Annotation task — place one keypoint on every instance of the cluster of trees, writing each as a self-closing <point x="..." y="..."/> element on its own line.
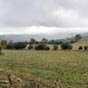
<point x="38" y="47"/>
<point x="64" y="46"/>
<point x="34" y="41"/>
<point x="69" y="40"/>
<point x="17" y="45"/>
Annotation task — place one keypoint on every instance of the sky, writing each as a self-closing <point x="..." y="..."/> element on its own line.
<point x="43" y="16"/>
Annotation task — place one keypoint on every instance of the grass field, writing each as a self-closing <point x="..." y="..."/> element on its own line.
<point x="69" y="67"/>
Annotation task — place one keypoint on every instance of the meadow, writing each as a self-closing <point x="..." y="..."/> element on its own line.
<point x="70" y="68"/>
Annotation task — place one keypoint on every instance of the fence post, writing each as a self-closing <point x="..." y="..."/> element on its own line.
<point x="10" y="81"/>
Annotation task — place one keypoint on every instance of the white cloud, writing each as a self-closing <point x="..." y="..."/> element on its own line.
<point x="40" y="30"/>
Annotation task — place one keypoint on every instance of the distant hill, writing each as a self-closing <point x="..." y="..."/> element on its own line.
<point x="27" y="37"/>
<point x="85" y="35"/>
<point x="38" y="37"/>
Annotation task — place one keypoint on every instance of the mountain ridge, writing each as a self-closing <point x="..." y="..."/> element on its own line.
<point x="38" y="37"/>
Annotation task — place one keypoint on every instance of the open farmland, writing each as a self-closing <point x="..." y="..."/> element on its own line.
<point x="69" y="67"/>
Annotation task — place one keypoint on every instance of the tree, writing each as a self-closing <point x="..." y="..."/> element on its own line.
<point x="51" y="42"/>
<point x="85" y="48"/>
<point x="55" y="47"/>
<point x="80" y="47"/>
<point x="3" y="43"/>
<point x="30" y="47"/>
<point x="44" y="40"/>
<point x="10" y="45"/>
<point x="41" y="47"/>
<point x="47" y="48"/>
<point x="32" y="41"/>
<point x="78" y="37"/>
<point x="19" y="45"/>
<point x="66" y="46"/>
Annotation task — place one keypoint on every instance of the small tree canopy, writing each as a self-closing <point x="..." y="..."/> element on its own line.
<point x="78" y="37"/>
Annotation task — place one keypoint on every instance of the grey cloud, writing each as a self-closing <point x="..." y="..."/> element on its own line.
<point x="20" y="13"/>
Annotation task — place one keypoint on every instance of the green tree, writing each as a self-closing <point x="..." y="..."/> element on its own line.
<point x="78" y="37"/>
<point x="3" y="43"/>
<point x="32" y="41"/>
<point x="19" y="45"/>
<point x="66" y="46"/>
<point x="44" y="40"/>
<point x="30" y="47"/>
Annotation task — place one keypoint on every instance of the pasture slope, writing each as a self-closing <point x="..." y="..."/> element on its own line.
<point x="82" y="42"/>
<point x="70" y="68"/>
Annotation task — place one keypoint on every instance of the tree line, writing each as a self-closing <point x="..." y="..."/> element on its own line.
<point x="40" y="45"/>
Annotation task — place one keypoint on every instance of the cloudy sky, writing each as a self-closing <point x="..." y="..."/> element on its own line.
<point x="43" y="16"/>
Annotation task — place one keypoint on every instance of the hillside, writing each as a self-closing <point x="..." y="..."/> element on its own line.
<point x="82" y="42"/>
<point x="27" y="37"/>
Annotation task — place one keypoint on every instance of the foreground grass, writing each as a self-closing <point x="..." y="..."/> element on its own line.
<point x="69" y="67"/>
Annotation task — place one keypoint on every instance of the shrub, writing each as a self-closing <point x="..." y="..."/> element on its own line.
<point x="10" y="46"/>
<point x="70" y="47"/>
<point x="47" y="48"/>
<point x="85" y="48"/>
<point x="66" y="46"/>
<point x="30" y="47"/>
<point x="55" y="47"/>
<point x="80" y="47"/>
<point x="19" y="45"/>
<point x="40" y="47"/>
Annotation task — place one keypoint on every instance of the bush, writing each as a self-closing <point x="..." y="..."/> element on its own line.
<point x="80" y="47"/>
<point x="10" y="46"/>
<point x="55" y="47"/>
<point x="40" y="47"/>
<point x="19" y="45"/>
<point x="85" y="48"/>
<point x="70" y="47"/>
<point x="30" y="47"/>
<point x="47" y="48"/>
<point x="66" y="46"/>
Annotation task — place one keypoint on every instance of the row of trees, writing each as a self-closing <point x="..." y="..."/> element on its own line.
<point x="17" y="45"/>
<point x="40" y="45"/>
<point x="64" y="46"/>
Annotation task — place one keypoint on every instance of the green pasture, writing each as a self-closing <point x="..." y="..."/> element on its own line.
<point x="68" y="67"/>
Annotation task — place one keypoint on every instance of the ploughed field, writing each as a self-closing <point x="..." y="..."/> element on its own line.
<point x="69" y="68"/>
